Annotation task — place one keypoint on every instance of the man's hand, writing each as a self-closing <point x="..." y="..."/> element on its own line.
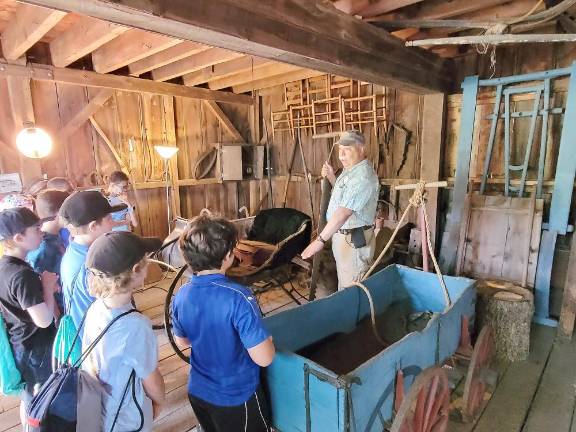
<point x="312" y="249"/>
<point x="156" y="410"/>
<point x="328" y="172"/>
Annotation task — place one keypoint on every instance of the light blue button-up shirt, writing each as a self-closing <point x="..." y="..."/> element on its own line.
<point x="356" y="188"/>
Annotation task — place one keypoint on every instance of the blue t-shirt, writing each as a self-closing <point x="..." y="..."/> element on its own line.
<point x="74" y="282"/>
<point x="48" y="256"/>
<point x="121" y="215"/>
<point x="64" y="236"/>
<point x="221" y="319"/>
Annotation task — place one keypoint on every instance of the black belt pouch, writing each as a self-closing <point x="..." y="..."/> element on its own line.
<point x="357" y="237"/>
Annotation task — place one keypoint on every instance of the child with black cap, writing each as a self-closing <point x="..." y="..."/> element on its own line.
<point x="26" y="300"/>
<point x="127" y="356"/>
<point x="221" y="321"/>
<point x="88" y="216"/>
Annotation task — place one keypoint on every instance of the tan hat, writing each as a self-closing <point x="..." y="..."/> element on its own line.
<point x="351" y="137"/>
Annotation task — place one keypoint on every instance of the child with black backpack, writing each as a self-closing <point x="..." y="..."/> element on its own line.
<point x="26" y="300"/>
<point x="126" y="359"/>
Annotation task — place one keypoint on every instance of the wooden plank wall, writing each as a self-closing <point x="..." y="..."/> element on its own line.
<point x="512" y="61"/>
<point x="133" y="123"/>
<point x="394" y="163"/>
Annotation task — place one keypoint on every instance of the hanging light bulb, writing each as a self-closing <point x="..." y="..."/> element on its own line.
<point x="166" y="152"/>
<point x="33" y="142"/>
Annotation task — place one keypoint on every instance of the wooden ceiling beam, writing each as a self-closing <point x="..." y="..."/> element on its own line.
<point x="210" y="57"/>
<point x="171" y="55"/>
<point x="222" y="70"/>
<point x="385" y="6"/>
<point x="117" y="82"/>
<point x="128" y="48"/>
<point x="276" y="80"/>
<point x="85" y="36"/>
<point x="247" y="76"/>
<point x="307" y="33"/>
<point x="351" y="7"/>
<point x="28" y="25"/>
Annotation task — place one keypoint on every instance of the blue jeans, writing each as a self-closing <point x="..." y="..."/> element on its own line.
<point x="35" y="366"/>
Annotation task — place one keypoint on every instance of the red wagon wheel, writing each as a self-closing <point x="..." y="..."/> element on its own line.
<point x="476" y="378"/>
<point x="427" y="405"/>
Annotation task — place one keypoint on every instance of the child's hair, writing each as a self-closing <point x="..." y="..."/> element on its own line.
<point x="61" y="184"/>
<point x="49" y="201"/>
<point x="7" y="244"/>
<point x="102" y="285"/>
<point x="117" y="177"/>
<point x="82" y="229"/>
<point x="206" y="241"/>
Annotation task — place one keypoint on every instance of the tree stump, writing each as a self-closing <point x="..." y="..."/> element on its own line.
<point x="508" y="308"/>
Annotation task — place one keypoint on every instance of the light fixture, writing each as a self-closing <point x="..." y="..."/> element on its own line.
<point x="33" y="142"/>
<point x="166" y="153"/>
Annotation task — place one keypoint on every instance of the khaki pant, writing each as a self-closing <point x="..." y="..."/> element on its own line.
<point x="351" y="263"/>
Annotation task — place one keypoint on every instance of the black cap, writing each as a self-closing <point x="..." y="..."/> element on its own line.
<point x="83" y="207"/>
<point x="15" y="220"/>
<point x="118" y="251"/>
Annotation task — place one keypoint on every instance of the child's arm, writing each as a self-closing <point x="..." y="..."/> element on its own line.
<point x="43" y="313"/>
<point x="155" y="389"/>
<point x="133" y="217"/>
<point x="263" y="353"/>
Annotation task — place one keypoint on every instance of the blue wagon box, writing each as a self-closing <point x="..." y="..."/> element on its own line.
<point x="306" y="396"/>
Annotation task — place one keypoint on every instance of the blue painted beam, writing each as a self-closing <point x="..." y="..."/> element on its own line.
<point x="515" y="79"/>
<point x="449" y="250"/>
<point x="566" y="166"/>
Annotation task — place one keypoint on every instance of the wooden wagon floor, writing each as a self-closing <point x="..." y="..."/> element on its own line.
<point x="177" y="415"/>
<point x="537" y="395"/>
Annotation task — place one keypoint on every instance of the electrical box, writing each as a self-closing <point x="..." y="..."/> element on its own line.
<point x="239" y="161"/>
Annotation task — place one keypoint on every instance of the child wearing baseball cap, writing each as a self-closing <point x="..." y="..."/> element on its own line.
<point x="26" y="300"/>
<point x="126" y="359"/>
<point x="88" y="216"/>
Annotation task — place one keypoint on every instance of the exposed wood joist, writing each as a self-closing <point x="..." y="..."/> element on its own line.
<point x="223" y="70"/>
<point x="128" y="48"/>
<point x="194" y="63"/>
<point x="85" y="113"/>
<point x="351" y="7"/>
<point x="306" y="33"/>
<point x="224" y="120"/>
<point x="85" y="36"/>
<point x="385" y="6"/>
<point x="276" y="80"/>
<point x="171" y="55"/>
<point x="248" y="76"/>
<point x="116" y="82"/>
<point x="27" y="26"/>
<point x="443" y="9"/>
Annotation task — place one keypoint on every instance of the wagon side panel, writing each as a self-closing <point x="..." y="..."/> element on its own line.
<point x="285" y="380"/>
<point x="373" y="400"/>
<point x="451" y="323"/>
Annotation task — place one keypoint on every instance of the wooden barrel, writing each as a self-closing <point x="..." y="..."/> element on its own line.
<point x="508" y="308"/>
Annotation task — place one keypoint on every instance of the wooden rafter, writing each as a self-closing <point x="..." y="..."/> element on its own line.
<point x="87" y="35"/>
<point x="357" y="50"/>
<point x="276" y="80"/>
<point x="26" y="28"/>
<point x="171" y="55"/>
<point x="385" y="6"/>
<point x="117" y="82"/>
<point x="128" y="48"/>
<point x="85" y="113"/>
<point x="222" y="70"/>
<point x="224" y="120"/>
<point x="210" y="57"/>
<point x="247" y="76"/>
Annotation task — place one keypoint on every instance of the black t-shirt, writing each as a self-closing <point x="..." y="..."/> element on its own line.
<point x="21" y="288"/>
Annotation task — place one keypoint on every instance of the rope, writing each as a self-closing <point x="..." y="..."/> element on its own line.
<point x="417" y="200"/>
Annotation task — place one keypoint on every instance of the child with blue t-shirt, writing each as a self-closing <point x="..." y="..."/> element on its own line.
<point x="221" y="321"/>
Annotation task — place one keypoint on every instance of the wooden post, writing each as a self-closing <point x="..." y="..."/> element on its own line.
<point x="431" y="154"/>
<point x="568" y="312"/>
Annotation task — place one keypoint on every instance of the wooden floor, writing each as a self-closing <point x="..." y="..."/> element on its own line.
<point x="537" y="395"/>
